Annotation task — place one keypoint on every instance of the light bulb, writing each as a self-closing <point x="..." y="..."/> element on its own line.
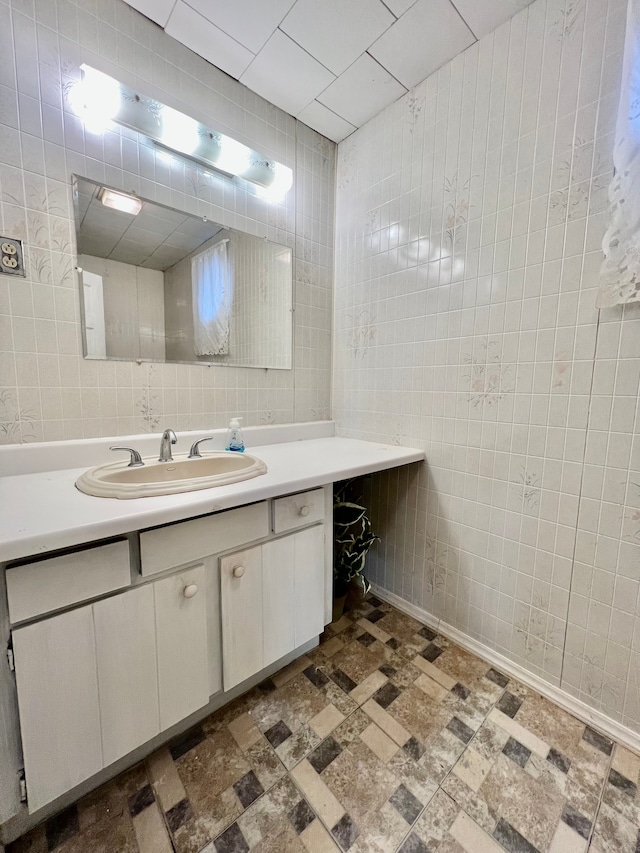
<point x="179" y="131"/>
<point x="95" y="99"/>
<point x="234" y="157"/>
<point x="279" y="186"/>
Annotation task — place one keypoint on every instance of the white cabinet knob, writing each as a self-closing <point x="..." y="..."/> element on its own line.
<point x="304" y="511"/>
<point x="238" y="571"/>
<point x="190" y="590"/>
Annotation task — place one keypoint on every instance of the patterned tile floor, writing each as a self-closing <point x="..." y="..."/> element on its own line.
<point x="385" y="738"/>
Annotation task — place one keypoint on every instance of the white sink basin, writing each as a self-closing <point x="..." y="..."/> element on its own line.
<point x="118" y="480"/>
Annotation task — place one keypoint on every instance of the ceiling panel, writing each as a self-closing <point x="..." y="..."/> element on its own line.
<point x="332" y="63"/>
<point x="96" y="246"/>
<point x="144" y="239"/>
<point x="335" y="32"/>
<point x="484" y="17"/>
<point x="129" y="252"/>
<point x="154" y="224"/>
<point x="286" y="75"/>
<point x="415" y="47"/>
<point x="399" y="7"/>
<point x="362" y="91"/>
<point x="251" y="22"/>
<point x="207" y="40"/>
<point x="157" y="10"/>
<point x="326" y="122"/>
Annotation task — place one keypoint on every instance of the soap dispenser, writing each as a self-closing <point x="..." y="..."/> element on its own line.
<point x="235" y="441"/>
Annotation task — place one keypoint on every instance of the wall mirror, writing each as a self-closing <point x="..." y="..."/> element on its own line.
<point x="158" y="284"/>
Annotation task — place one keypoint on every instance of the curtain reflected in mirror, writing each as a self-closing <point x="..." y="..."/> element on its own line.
<point x="212" y="295"/>
<point x="163" y="285"/>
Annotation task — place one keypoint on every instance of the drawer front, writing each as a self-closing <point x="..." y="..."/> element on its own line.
<point x="36" y="588"/>
<point x="298" y="510"/>
<point x="182" y="543"/>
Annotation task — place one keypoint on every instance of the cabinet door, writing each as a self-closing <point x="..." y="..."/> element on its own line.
<point x="58" y="702"/>
<point x="181" y="633"/>
<point x="241" y="604"/>
<point x="127" y="671"/>
<point x="309" y="584"/>
<point x="278" y="601"/>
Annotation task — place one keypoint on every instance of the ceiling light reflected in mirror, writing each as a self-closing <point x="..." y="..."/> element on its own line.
<point x="120" y="201"/>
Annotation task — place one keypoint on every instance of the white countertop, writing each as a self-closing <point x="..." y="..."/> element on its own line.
<point x="44" y="511"/>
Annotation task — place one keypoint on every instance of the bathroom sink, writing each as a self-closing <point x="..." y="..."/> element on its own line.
<point x="119" y="480"/>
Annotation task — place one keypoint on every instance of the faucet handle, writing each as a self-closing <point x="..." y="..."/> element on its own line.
<point x="136" y="459"/>
<point x="194" y="453"/>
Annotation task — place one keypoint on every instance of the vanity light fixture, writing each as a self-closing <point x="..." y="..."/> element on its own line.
<point x="120" y="201"/>
<point x="99" y="100"/>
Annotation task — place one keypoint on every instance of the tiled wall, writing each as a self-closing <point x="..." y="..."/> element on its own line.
<point x="48" y="391"/>
<point x="133" y="300"/>
<point x="469" y="220"/>
<point x="263" y="323"/>
<point x="260" y="328"/>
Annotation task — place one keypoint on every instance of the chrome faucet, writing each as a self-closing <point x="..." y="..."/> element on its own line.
<point x="135" y="460"/>
<point x="168" y="438"/>
<point x="194" y="453"/>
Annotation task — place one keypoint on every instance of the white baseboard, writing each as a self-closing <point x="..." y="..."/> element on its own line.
<point x="592" y="717"/>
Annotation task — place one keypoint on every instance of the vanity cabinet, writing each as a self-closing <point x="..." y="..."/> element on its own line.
<point x="114" y="645"/>
<point x="96" y="682"/>
<point x="272" y="599"/>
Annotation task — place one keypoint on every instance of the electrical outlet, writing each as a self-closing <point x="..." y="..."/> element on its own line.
<point x="11" y="256"/>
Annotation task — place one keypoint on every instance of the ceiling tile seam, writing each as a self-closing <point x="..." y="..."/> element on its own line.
<point x="406" y="88"/>
<point x="315" y="58"/>
<point x="435" y="70"/>
<point x="463" y="19"/>
<point x="162" y="26"/>
<point x="220" y="30"/>
<point x="392" y="12"/>
<point x="173" y="9"/>
<point x="357" y="57"/>
<point x="151" y="20"/>
<point x="333" y="112"/>
<point x="277" y="27"/>
<point x="399" y="82"/>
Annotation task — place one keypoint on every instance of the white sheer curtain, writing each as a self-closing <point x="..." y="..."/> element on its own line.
<point x="212" y="292"/>
<point x="620" y="276"/>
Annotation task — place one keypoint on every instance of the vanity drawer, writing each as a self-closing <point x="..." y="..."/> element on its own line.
<point x="298" y="510"/>
<point x="177" y="544"/>
<point x="36" y="588"/>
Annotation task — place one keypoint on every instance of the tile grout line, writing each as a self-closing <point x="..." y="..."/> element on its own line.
<point x="574" y="551"/>
<point x="601" y="798"/>
<point x="156" y="794"/>
<point x="165" y="822"/>
<point x="450" y="771"/>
